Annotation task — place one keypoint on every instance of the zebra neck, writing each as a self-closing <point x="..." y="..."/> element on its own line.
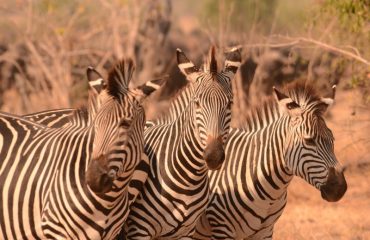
<point x="265" y="162"/>
<point x="280" y="175"/>
<point x="178" y="106"/>
<point x="188" y="159"/>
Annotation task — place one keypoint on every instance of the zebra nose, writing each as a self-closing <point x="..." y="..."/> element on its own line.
<point x="214" y="153"/>
<point x="99" y="179"/>
<point x="335" y="186"/>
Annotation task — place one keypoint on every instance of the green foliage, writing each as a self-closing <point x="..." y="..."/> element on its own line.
<point x="352" y="15"/>
<point x="350" y="22"/>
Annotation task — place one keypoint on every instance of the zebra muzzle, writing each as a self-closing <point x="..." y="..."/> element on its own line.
<point x="98" y="178"/>
<point x="335" y="186"/>
<point x="214" y="153"/>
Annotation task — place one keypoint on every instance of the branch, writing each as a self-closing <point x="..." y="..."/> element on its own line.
<point x="39" y="60"/>
<point x="296" y="41"/>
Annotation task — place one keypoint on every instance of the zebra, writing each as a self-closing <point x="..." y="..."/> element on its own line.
<point x="282" y="138"/>
<point x="60" y="117"/>
<point x="71" y="182"/>
<point x="51" y="118"/>
<point x="182" y="146"/>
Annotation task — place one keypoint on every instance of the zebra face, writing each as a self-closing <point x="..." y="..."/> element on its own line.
<point x="118" y="130"/>
<point x="212" y="117"/>
<point x="211" y="102"/>
<point x="309" y="151"/>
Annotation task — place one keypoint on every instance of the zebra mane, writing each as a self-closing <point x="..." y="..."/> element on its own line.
<point x="80" y="115"/>
<point x="302" y="93"/>
<point x="22" y="119"/>
<point x="178" y="98"/>
<point x="119" y="77"/>
<point x="267" y="112"/>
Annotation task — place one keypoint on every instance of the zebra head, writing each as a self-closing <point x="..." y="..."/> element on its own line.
<point x="211" y="102"/>
<point x="309" y="151"/>
<point x="118" y="127"/>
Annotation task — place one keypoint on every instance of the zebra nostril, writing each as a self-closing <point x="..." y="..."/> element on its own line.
<point x="98" y="178"/>
<point x="335" y="186"/>
<point x="106" y="183"/>
<point x="112" y="173"/>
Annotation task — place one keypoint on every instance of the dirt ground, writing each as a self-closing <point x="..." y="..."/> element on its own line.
<point x="307" y="216"/>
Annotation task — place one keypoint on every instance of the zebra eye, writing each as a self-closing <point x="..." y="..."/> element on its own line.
<point x="310" y="141"/>
<point x="292" y="105"/>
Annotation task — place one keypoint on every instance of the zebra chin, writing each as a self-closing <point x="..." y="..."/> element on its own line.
<point x="335" y="186"/>
<point x="99" y="179"/>
<point x="214" y="154"/>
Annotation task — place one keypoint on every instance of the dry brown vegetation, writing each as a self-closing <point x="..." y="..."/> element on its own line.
<point x="46" y="45"/>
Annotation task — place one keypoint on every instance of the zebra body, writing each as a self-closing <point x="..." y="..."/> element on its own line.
<point x="281" y="140"/>
<point x="182" y="146"/>
<point x="51" y="118"/>
<point x="71" y="182"/>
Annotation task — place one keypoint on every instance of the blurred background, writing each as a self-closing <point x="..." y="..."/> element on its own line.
<point x="46" y="46"/>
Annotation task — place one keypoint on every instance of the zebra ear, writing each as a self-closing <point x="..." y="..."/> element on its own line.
<point x="326" y="102"/>
<point x="119" y="77"/>
<point x="96" y="81"/>
<point x="287" y="104"/>
<point x="143" y="91"/>
<point x="232" y="62"/>
<point x="212" y="62"/>
<point x="186" y="66"/>
<point x="96" y="86"/>
<point x="329" y="100"/>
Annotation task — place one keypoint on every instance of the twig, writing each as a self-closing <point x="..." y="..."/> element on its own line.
<point x="354" y="49"/>
<point x="39" y="60"/>
<point x="270" y="45"/>
<point x="329" y="47"/>
<point x="296" y="41"/>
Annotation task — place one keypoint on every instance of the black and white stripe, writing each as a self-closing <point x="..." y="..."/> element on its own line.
<point x="70" y="182"/>
<point x="182" y="146"/>
<point x="282" y="139"/>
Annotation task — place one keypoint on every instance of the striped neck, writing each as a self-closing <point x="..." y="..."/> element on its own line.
<point x="264" y="163"/>
<point x="187" y="163"/>
<point x="178" y="106"/>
